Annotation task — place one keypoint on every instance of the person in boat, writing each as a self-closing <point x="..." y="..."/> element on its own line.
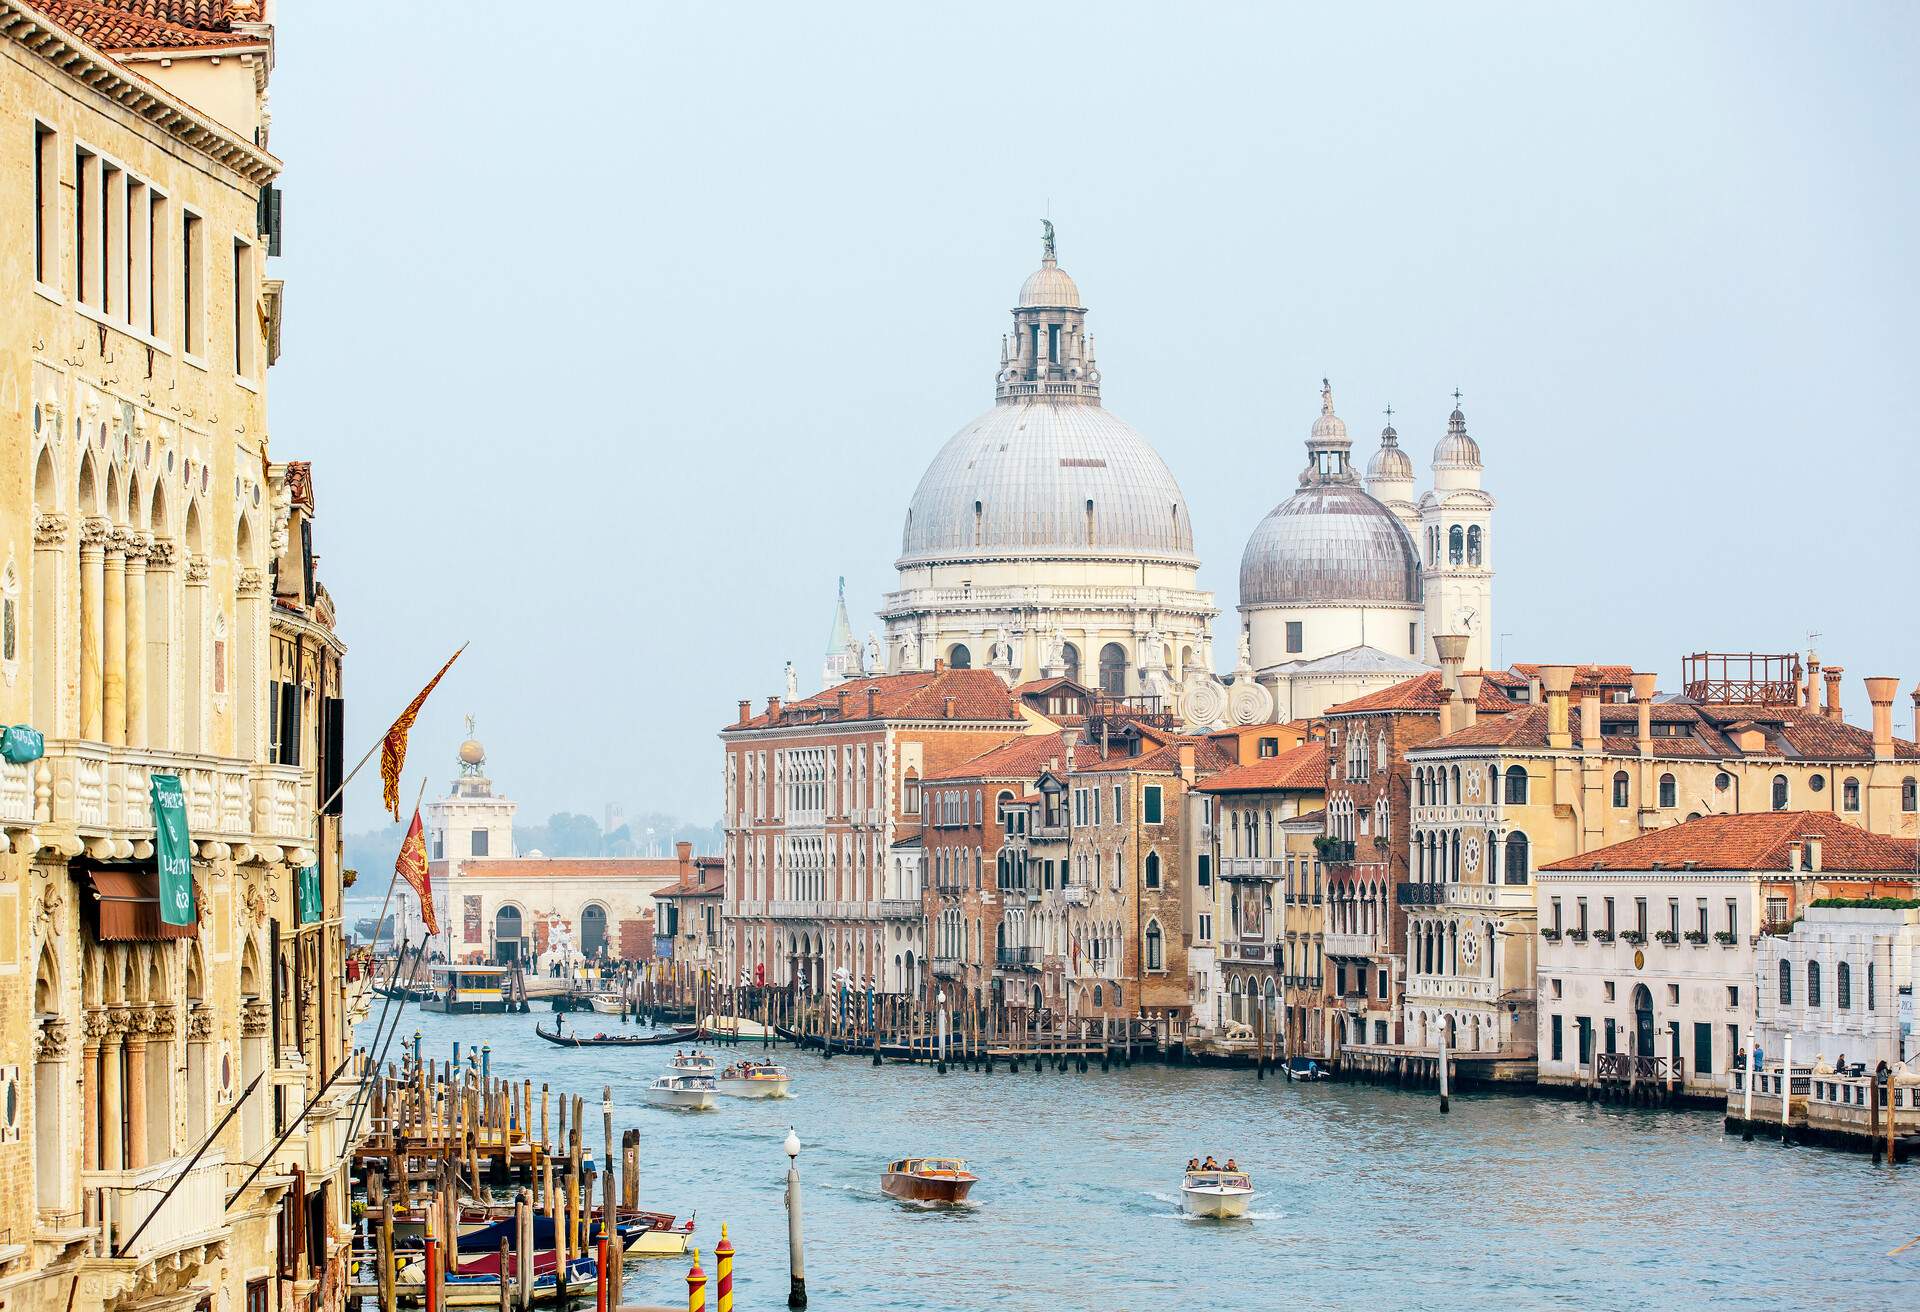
<point x="1210" y="1164"/>
<point x="1230" y="1165"/>
<point x="1193" y="1163"/>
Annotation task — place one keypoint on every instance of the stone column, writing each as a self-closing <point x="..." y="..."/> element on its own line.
<point x="93" y="541"/>
<point x="52" y="712"/>
<point x="197" y="643"/>
<point x="113" y="604"/>
<point x="136" y="644"/>
<point x="94" y="1032"/>
<point x="112" y="1122"/>
<point x="135" y="1066"/>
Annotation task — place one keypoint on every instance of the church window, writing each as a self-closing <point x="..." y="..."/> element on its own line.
<point x="1053" y="343"/>
<point x="1909" y="794"/>
<point x="1517" y="786"/>
<point x="1621" y="788"/>
<point x="1516" y="858"/>
<point x="1296" y="637"/>
<point x="1779" y="792"/>
<point x="480" y="842"/>
<point x="1456" y="546"/>
<point x="1113" y="668"/>
<point x="1850" y="795"/>
<point x="1668" y="791"/>
<point x="960" y="658"/>
<point x="1090" y="533"/>
<point x="1473" y="545"/>
<point x="1070" y="661"/>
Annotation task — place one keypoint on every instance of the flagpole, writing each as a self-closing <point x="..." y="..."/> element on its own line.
<point x="362" y="764"/>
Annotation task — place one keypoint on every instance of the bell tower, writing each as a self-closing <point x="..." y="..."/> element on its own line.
<point x="1456" y="543"/>
<point x="1049" y="353"/>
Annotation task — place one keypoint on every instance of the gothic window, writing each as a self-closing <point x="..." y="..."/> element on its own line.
<point x="959" y="658"/>
<point x="1456" y="545"/>
<point x="1779" y="792"/>
<point x="1113" y="670"/>
<point x="1153" y="870"/>
<point x="1155" y="949"/>
<point x="1473" y="545"/>
<point x="1668" y="791"/>
<point x="1621" y="788"/>
<point x="1850" y="796"/>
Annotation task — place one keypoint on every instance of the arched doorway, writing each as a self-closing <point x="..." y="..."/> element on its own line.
<point x="593" y="930"/>
<point x="1642" y="1021"/>
<point x="506" y="935"/>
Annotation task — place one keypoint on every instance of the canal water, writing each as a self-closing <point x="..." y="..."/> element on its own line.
<point x="1368" y="1197"/>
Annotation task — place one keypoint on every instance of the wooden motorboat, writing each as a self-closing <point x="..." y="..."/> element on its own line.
<point x="1306" y="1068"/>
<point x="602" y="1040"/>
<point x="928" y="1179"/>
<point x="755" y="1079"/>
<point x="1216" y="1193"/>
<point x="684" y="1089"/>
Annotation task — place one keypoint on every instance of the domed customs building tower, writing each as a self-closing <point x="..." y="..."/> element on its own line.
<point x="1048" y="537"/>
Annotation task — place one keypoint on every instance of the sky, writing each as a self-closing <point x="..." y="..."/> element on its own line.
<point x="618" y="332"/>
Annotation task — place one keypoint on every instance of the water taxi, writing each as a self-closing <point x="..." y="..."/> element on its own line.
<point x="683" y="1089"/>
<point x="1216" y="1193"/>
<point x="737" y="1027"/>
<point x="755" y="1079"/>
<point x="928" y="1179"/>
<point x="698" y="1063"/>
<point x="468" y="989"/>
<point x="1306" y="1068"/>
<point x="608" y="1004"/>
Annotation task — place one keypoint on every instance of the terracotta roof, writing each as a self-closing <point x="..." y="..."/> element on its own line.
<point x="1023" y="758"/>
<point x="1304" y="766"/>
<point x="1584" y="676"/>
<point x="1033" y="687"/>
<point x="1422" y="693"/>
<point x="707" y="878"/>
<point x="1753" y="842"/>
<point x="585" y="867"/>
<point x="1208" y="756"/>
<point x="977" y="695"/>
<point x="151" y="24"/>
<point x="1790" y="732"/>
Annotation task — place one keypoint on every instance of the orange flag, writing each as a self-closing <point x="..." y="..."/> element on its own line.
<point x="412" y="867"/>
<point x="393" y="748"/>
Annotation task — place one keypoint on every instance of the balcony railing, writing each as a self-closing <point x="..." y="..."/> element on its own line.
<point x="1250" y="867"/>
<point x="1024" y="958"/>
<point x="104" y="791"/>
<point x="900" y="908"/>
<point x="947" y="967"/>
<point x="195" y="1213"/>
<point x="16" y="792"/>
<point x="1631" y="1068"/>
<point x="1334" y="851"/>
<point x="1460" y="987"/>
<point x="1418" y="895"/>
<point x="1353" y="945"/>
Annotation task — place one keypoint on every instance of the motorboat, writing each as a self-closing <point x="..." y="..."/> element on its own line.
<point x="1306" y="1068"/>
<point x="698" y="1063"/>
<point x="1215" y="1193"/>
<point x="695" y="1092"/>
<point x="755" y="1079"/>
<point x="928" y="1179"/>
<point x="609" y="1004"/>
<point x="737" y="1027"/>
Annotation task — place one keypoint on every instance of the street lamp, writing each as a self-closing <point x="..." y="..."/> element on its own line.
<point x="796" y="1258"/>
<point x="940" y="1001"/>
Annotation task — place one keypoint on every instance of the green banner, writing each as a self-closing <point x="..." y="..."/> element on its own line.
<point x="172" y="850"/>
<point x="312" y="905"/>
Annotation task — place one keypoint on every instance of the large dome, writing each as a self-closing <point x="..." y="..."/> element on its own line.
<point x="1046" y="478"/>
<point x="1329" y="543"/>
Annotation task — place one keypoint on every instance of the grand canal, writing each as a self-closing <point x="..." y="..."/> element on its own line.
<point x="1368" y="1197"/>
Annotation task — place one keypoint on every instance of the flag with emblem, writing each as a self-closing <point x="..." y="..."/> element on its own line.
<point x="412" y="867"/>
<point x="393" y="748"/>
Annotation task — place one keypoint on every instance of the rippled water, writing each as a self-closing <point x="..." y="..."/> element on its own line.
<point x="1368" y="1198"/>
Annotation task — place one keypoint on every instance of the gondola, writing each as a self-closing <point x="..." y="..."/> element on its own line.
<point x="617" y="1040"/>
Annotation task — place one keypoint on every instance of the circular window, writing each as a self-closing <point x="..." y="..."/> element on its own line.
<point x="1723" y="781"/>
<point x="1817" y="783"/>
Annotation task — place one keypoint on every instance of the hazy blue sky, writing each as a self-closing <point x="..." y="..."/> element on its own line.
<point x="617" y="332"/>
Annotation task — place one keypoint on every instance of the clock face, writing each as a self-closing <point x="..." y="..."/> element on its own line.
<point x="1466" y="617"/>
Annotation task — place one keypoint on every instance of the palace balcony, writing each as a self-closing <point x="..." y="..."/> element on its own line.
<point x="16" y="795"/>
<point x="1027" y="958"/>
<point x="1353" y="945"/>
<point x="1458" y="988"/>
<point x="947" y="967"/>
<point x="1250" y="867"/>
<point x="1418" y="895"/>
<point x="1077" y="895"/>
<point x="900" y="908"/>
<point x="1335" y="851"/>
<point x="129" y="1207"/>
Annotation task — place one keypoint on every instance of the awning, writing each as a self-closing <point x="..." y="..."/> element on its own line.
<point x="128" y="901"/>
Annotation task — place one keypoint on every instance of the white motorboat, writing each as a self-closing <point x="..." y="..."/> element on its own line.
<point x="737" y="1027"/>
<point x="755" y="1079"/>
<point x="609" y="1004"/>
<point x="1216" y="1193"/>
<point x="697" y="1063"/>
<point x="683" y="1089"/>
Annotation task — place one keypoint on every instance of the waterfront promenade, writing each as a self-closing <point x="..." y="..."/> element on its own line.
<point x="1362" y="1202"/>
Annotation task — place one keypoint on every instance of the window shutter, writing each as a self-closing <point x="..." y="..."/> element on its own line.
<point x="333" y="733"/>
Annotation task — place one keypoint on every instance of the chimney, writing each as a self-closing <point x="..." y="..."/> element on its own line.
<point x="683" y="852"/>
<point x="946" y="708"/>
<point x="1590" y="718"/>
<point x="1813" y="852"/>
<point x="939" y="664"/>
<point x="773" y="708"/>
<point x="1534" y="694"/>
<point x="1644" y="686"/>
<point x="1446" y="710"/>
<point x="1810" y="698"/>
<point x="1832" y="675"/>
<point x="1067" y="739"/>
<point x="1189" y="762"/>
<point x="873" y="703"/>
<point x="1881" y="692"/>
<point x="1793" y="858"/>
<point x="1453" y="654"/>
<point x="746" y="710"/>
<point x="841" y="695"/>
<point x="1470" y="699"/>
<point x="1557" y="679"/>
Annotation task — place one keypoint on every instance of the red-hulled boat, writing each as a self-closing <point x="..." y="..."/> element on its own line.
<point x="928" y="1179"/>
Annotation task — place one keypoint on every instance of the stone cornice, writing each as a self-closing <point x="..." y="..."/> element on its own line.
<point x="68" y="54"/>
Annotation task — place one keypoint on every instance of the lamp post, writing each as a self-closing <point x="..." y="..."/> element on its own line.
<point x="796" y="1257"/>
<point x="940" y="1001"/>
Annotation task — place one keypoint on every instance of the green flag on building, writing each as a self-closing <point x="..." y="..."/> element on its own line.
<point x="172" y="850"/>
<point x="311" y="906"/>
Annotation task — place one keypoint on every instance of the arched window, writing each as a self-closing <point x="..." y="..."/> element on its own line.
<point x="1843" y="985"/>
<point x="1516" y="786"/>
<point x="1850" y="796"/>
<point x="1113" y="670"/>
<point x="1813" y="983"/>
<point x="1909" y="794"/>
<point x="1621" y="788"/>
<point x="1668" y="791"/>
<point x="1473" y="545"/>
<point x="1096" y="996"/>
<point x="1070" y="661"/>
<point x="959" y="658"/>
<point x="1517" y="866"/>
<point x="1456" y="545"/>
<point x="1779" y="792"/>
<point x="1153" y="870"/>
<point x="1155" y="949"/>
<point x="1786" y="983"/>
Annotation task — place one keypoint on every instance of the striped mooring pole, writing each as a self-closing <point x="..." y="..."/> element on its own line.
<point x="696" y="1286"/>
<point x="723" y="1272"/>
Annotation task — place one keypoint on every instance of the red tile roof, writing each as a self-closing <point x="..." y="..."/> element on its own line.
<point x="1422" y="693"/>
<point x="1790" y="732"/>
<point x="1753" y="842"/>
<point x="706" y="879"/>
<point x="1302" y="767"/>
<point x="152" y="24"/>
<point x="1208" y="756"/>
<point x="922" y="695"/>
<point x="1584" y="676"/>
<point x="1023" y="758"/>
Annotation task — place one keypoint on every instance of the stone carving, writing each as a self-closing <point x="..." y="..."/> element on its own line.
<point x="159" y="1022"/>
<point x="138" y="547"/>
<point x="873" y="653"/>
<point x="120" y="1020"/>
<point x="94" y="1025"/>
<point x="254" y="1015"/>
<point x="1249" y="703"/>
<point x="161" y="554"/>
<point x="46" y="910"/>
<point x="1203" y="702"/>
<point x="51" y="1039"/>
<point x="50" y="530"/>
<point x="1470" y="855"/>
<point x="94" y="532"/>
<point x="121" y="540"/>
<point x="793" y="683"/>
<point x="197" y="569"/>
<point x="200" y="1021"/>
<point x="250" y="583"/>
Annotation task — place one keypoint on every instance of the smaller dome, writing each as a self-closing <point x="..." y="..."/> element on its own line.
<point x="1329" y="427"/>
<point x="1456" y="448"/>
<point x="472" y="753"/>
<point x="1390" y="464"/>
<point x="1049" y="287"/>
